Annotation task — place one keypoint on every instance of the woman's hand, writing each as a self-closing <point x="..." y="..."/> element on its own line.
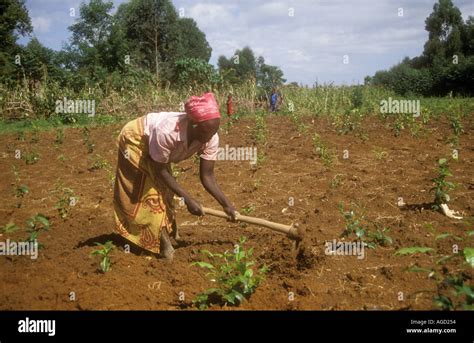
<point x="231" y="212"/>
<point x="194" y="207"/>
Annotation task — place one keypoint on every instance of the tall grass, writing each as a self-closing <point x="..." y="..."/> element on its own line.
<point x="338" y="103"/>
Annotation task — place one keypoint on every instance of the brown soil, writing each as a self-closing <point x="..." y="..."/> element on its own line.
<point x="138" y="280"/>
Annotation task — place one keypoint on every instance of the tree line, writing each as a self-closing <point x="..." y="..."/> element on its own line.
<point x="143" y="42"/>
<point x="446" y="66"/>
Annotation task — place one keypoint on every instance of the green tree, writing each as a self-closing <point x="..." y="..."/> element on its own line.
<point x="89" y="46"/>
<point x="150" y="29"/>
<point x="14" y="21"/>
<point x="447" y="62"/>
<point x="240" y="67"/>
<point x="268" y="76"/>
<point x="444" y="26"/>
<point x="468" y="37"/>
<point x="196" y="73"/>
<point x="39" y="62"/>
<point x="227" y="69"/>
<point x="192" y="41"/>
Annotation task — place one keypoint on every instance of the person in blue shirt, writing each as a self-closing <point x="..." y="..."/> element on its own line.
<point x="274" y="100"/>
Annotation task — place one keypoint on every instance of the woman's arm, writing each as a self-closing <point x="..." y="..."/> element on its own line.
<point x="208" y="180"/>
<point x="162" y="172"/>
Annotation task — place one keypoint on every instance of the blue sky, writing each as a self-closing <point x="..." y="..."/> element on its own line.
<point x="307" y="39"/>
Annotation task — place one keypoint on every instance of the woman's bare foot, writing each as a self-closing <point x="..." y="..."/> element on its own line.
<point x="167" y="250"/>
<point x="175" y="233"/>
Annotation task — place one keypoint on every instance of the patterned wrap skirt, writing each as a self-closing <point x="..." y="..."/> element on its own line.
<point x="143" y="204"/>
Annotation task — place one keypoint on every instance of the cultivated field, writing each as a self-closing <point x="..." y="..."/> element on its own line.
<point x="311" y="170"/>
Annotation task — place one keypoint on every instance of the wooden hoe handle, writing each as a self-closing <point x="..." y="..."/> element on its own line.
<point x="288" y="230"/>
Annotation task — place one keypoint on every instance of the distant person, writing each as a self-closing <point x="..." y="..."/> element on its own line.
<point x="274" y="100"/>
<point x="144" y="183"/>
<point x="230" y="109"/>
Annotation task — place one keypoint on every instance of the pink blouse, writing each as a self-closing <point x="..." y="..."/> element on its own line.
<point x="168" y="142"/>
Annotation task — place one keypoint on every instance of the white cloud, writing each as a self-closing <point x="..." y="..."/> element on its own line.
<point x="210" y="16"/>
<point x="41" y="24"/>
<point x="308" y="46"/>
<point x="296" y="55"/>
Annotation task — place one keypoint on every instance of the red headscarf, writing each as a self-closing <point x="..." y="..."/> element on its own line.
<point x="202" y="108"/>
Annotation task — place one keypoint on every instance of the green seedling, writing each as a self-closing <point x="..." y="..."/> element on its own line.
<point x="380" y="154"/>
<point x="259" y="133"/>
<point x="100" y="163"/>
<point x="19" y="190"/>
<point x="324" y="152"/>
<point x="9" y="228"/>
<point x="85" y="137"/>
<point x="34" y="136"/>
<point x="353" y="223"/>
<point x="336" y="181"/>
<point x="59" y="136"/>
<point x="233" y="274"/>
<point x="21" y="136"/>
<point x="31" y="157"/>
<point x="34" y="226"/>
<point x="456" y="125"/>
<point x="248" y="209"/>
<point x="454" y="291"/>
<point x="357" y="223"/>
<point x="442" y="187"/>
<point x="380" y="237"/>
<point x="104" y="251"/>
<point x="65" y="202"/>
<point x="413" y="251"/>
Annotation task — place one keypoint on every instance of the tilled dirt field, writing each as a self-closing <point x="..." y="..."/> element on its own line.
<point x="379" y="170"/>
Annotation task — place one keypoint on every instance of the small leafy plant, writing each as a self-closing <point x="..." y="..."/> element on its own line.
<point x="65" y="202"/>
<point x="300" y="126"/>
<point x="347" y="122"/>
<point x="324" y="152"/>
<point x="34" y="136"/>
<point x="248" y="209"/>
<point x="104" y="251"/>
<point x="259" y="132"/>
<point x="19" y="190"/>
<point x="357" y="223"/>
<point x="21" y="136"/>
<point x="456" y="125"/>
<point x="31" y="157"/>
<point x="100" y="163"/>
<point x="441" y="186"/>
<point x="85" y="137"/>
<point x="34" y="226"/>
<point x="380" y="237"/>
<point x="336" y="181"/>
<point x="380" y="154"/>
<point x="454" y="289"/>
<point x="9" y="228"/>
<point x="413" y="251"/>
<point x="59" y="136"/>
<point x="353" y="223"/>
<point x="462" y="294"/>
<point x="233" y="274"/>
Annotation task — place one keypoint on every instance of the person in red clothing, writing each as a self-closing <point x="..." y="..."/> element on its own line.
<point x="230" y="109"/>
